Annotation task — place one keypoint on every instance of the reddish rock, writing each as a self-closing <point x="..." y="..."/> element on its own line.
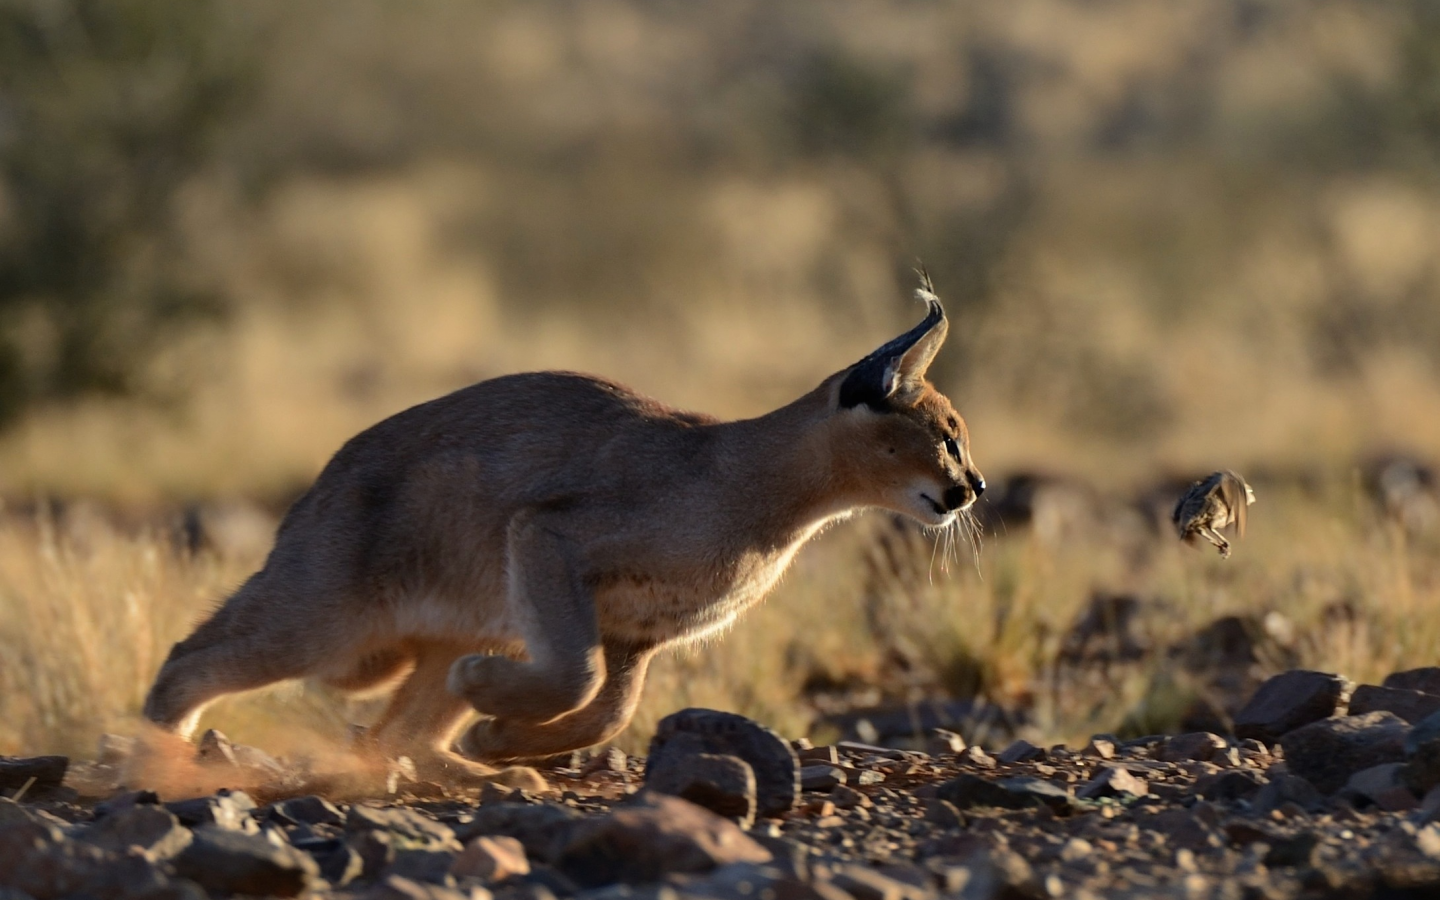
<point x="651" y="837"/>
<point x="1197" y="745"/>
<point x="1288" y="701"/>
<point x="1412" y="706"/>
<point x="1112" y="781"/>
<point x="1425" y="680"/>
<point x="491" y="859"/>
<point x="1326" y="753"/>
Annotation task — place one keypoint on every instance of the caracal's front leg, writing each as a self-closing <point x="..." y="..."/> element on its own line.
<point x="501" y="740"/>
<point x="555" y="612"/>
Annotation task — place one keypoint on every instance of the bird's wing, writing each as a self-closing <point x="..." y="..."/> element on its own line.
<point x="1235" y="493"/>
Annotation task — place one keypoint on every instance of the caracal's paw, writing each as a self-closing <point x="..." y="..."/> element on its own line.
<point x="499" y="686"/>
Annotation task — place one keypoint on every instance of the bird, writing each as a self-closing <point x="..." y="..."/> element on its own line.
<point x="1212" y="503"/>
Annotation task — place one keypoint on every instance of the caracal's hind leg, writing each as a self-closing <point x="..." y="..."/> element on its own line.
<point x="501" y="739"/>
<point x="250" y="642"/>
<point x="421" y="721"/>
<point x="555" y="613"/>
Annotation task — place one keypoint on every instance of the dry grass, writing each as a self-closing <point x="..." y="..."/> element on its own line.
<point x="87" y="613"/>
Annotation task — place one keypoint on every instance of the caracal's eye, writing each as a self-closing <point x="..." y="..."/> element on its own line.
<point x="952" y="448"/>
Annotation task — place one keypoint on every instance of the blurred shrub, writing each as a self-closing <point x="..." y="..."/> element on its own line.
<point x="106" y="109"/>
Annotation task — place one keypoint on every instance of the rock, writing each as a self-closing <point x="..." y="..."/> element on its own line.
<point x="1326" y="753"/>
<point x="428" y="866"/>
<point x="1112" y="781"/>
<point x="1100" y="745"/>
<point x="35" y="774"/>
<point x="611" y="759"/>
<point x="970" y="791"/>
<point x="1381" y="786"/>
<point x="1197" y="745"/>
<point x="542" y="829"/>
<point x="976" y="756"/>
<point x="125" y="801"/>
<point x="215" y="749"/>
<point x="1288" y="701"/>
<point x="1238" y="784"/>
<point x="418" y="831"/>
<point x="229" y="862"/>
<point x="848" y="798"/>
<point x="311" y="810"/>
<point x="339" y="863"/>
<point x="12" y="813"/>
<point x="944" y="741"/>
<point x="226" y="809"/>
<point x="867" y="884"/>
<point x="821" y="778"/>
<point x="491" y="859"/>
<point x="1286" y="788"/>
<point x="155" y="831"/>
<point x="723" y="784"/>
<point x="398" y="887"/>
<point x="827" y="755"/>
<point x="1295" y="850"/>
<point x="1425" y="680"/>
<point x="1412" y="706"/>
<point x="776" y="768"/>
<point x="943" y="813"/>
<point x="652" y="836"/>
<point x="1184" y="829"/>
<point x="1020" y="751"/>
<point x="1422" y="755"/>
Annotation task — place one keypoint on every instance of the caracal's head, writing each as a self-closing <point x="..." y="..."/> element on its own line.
<point x="898" y="443"/>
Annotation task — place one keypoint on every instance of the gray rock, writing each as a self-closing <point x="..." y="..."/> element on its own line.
<point x="398" y="887"/>
<point x="1426" y="680"/>
<point x="1294" y="850"/>
<point x="429" y="866"/>
<point x="415" y="830"/>
<point x="821" y="778"/>
<point x="230" y="862"/>
<point x="941" y="740"/>
<point x="1197" y="745"/>
<point x="943" y="813"/>
<point x="776" y="767"/>
<point x="970" y="791"/>
<point x="1326" y="753"/>
<point x="1422" y="755"/>
<point x="1237" y="784"/>
<point x="1381" y="786"/>
<point x="723" y="784"/>
<point x="34" y="773"/>
<point x="1412" y="706"/>
<point x="542" y="828"/>
<point x="1286" y="788"/>
<point x="867" y="884"/>
<point x="1113" y="781"/>
<point x="650" y="837"/>
<point x="156" y="831"/>
<point x="1020" y="751"/>
<point x="339" y="863"/>
<point x="311" y="810"/>
<point x="1288" y="701"/>
<point x="226" y="809"/>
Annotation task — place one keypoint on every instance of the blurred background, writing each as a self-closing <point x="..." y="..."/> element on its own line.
<point x="1170" y="237"/>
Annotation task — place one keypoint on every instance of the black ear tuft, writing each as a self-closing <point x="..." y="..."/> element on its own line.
<point x="875" y="378"/>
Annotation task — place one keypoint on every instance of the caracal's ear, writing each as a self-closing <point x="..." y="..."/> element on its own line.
<point x="901" y="362"/>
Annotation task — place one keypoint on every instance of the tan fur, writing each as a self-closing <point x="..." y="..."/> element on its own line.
<point x="523" y="546"/>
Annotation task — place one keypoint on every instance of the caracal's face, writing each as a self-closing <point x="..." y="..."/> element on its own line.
<point x="920" y="457"/>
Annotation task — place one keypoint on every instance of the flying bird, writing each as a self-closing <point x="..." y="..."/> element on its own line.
<point x="1213" y="503"/>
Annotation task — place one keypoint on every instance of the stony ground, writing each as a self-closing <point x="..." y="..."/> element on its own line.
<point x="1326" y="792"/>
